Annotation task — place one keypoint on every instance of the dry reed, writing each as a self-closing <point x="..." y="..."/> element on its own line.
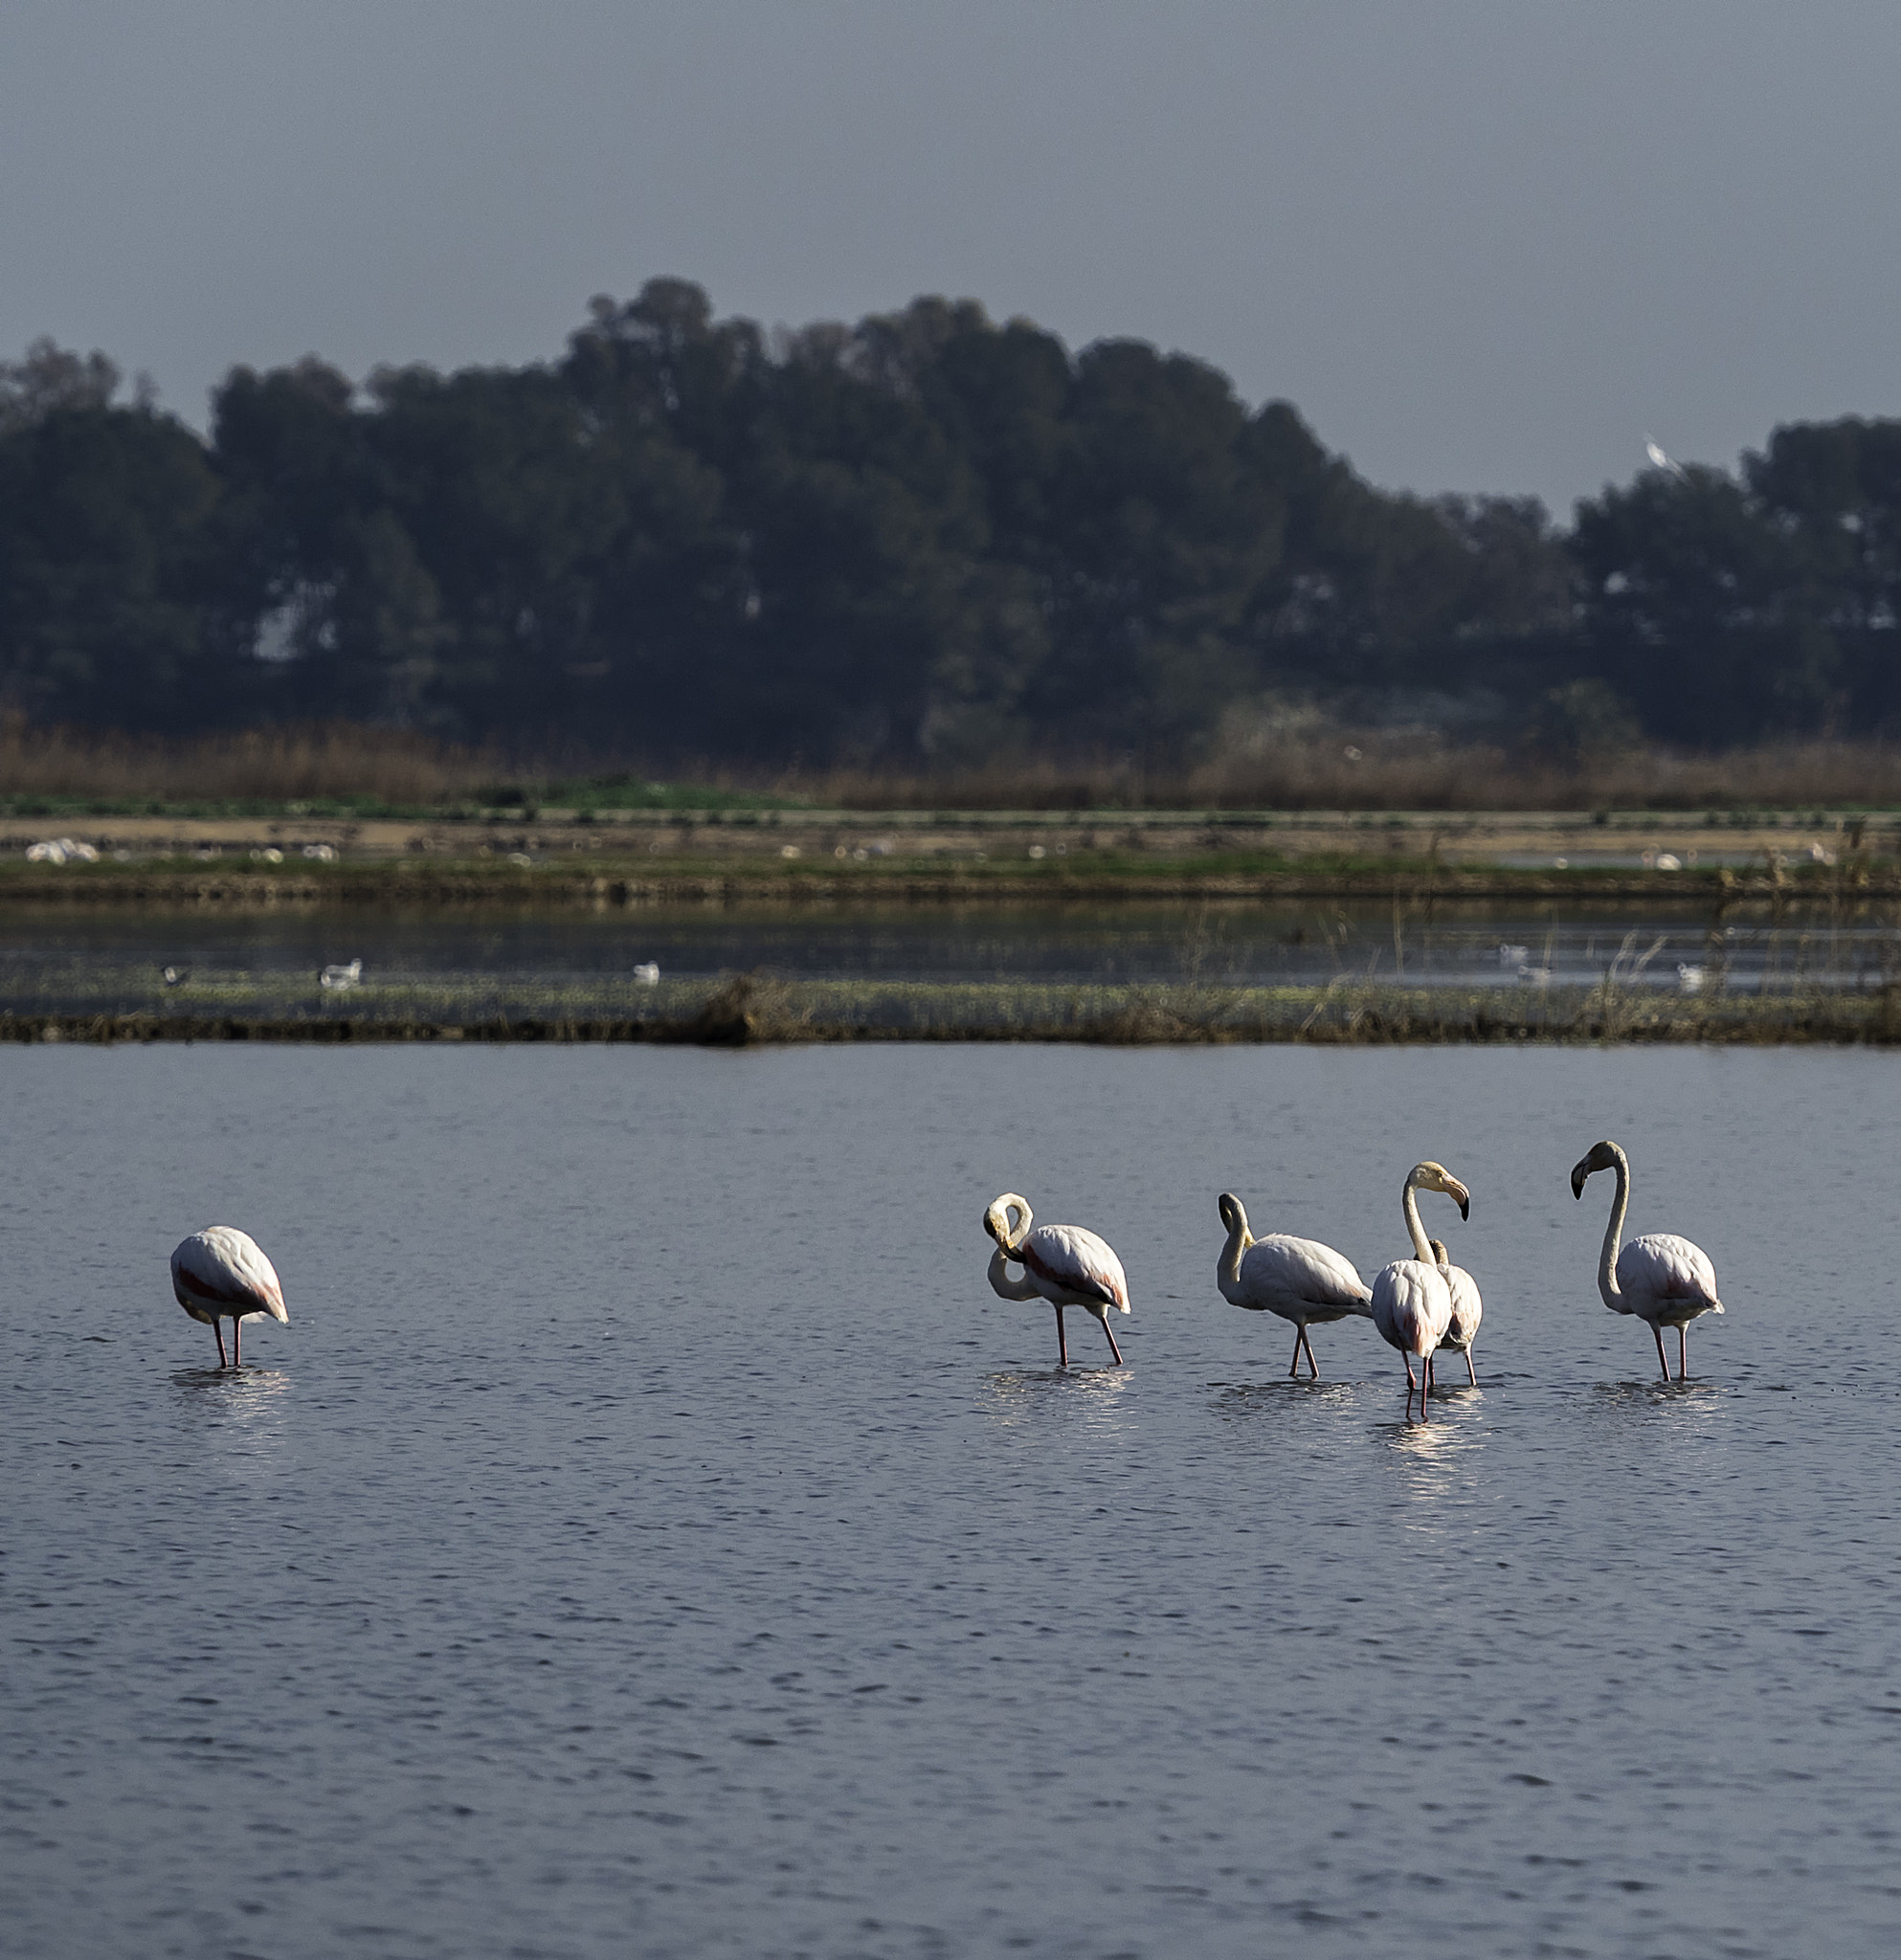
<point x="1316" y="772"/>
<point x="307" y="763"/>
<point x="1320" y="769"/>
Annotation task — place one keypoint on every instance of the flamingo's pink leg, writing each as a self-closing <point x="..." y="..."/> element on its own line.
<point x="1299" y="1335"/>
<point x="1113" y="1349"/>
<point x="1307" y="1341"/>
<point x="236" y="1341"/>
<point x="1470" y="1370"/>
<point x="1061" y="1342"/>
<point x="217" y="1330"/>
<point x="1662" y="1361"/>
<point x="1683" y="1351"/>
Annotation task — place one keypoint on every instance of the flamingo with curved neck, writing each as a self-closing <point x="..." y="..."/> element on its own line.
<point x="1664" y="1280"/>
<point x="1411" y="1303"/>
<point x="1063" y="1264"/>
<point x="1299" y="1279"/>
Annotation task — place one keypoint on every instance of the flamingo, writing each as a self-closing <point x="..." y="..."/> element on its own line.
<point x="1062" y="1264"/>
<point x="1665" y="1281"/>
<point x="1468" y="1308"/>
<point x="1299" y="1279"/>
<point x="222" y="1271"/>
<point x="1411" y="1303"/>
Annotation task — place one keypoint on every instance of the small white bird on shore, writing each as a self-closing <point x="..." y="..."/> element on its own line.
<point x="341" y="976"/>
<point x="648" y="973"/>
<point x="1660" y="461"/>
<point x="221" y="1273"/>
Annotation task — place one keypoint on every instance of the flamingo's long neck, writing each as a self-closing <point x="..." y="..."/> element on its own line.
<point x="1023" y="1288"/>
<point x="1607" y="1286"/>
<point x="1421" y="1244"/>
<point x="1227" y="1275"/>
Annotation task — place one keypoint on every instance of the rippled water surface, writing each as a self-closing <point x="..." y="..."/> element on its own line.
<point x="652" y="1536"/>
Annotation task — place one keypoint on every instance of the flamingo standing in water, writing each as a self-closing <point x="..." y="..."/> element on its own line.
<point x="1411" y="1303"/>
<point x="1299" y="1279"/>
<point x="1062" y="1264"/>
<point x="1665" y="1281"/>
<point x="221" y="1272"/>
<point x="1468" y="1308"/>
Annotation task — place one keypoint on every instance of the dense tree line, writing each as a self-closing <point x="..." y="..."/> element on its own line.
<point x="925" y="538"/>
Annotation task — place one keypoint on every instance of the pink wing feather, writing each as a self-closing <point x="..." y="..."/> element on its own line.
<point x="224" y="1271"/>
<point x="1068" y="1255"/>
<point x="1661" y="1267"/>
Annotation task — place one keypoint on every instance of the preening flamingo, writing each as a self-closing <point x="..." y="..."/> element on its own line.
<point x="1468" y="1308"/>
<point x="222" y="1273"/>
<point x="1299" y="1279"/>
<point x="1062" y="1264"/>
<point x="1412" y="1303"/>
<point x="1665" y="1281"/>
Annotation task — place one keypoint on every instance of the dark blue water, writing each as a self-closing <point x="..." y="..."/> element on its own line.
<point x="651" y="1535"/>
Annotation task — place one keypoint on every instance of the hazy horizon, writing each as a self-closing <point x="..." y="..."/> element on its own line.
<point x="1480" y="247"/>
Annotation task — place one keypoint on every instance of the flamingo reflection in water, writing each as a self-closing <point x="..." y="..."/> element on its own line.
<point x="1063" y="1264"/>
<point x="221" y="1273"/>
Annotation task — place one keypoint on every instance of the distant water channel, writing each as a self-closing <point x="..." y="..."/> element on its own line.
<point x="651" y="1536"/>
<point x="476" y="963"/>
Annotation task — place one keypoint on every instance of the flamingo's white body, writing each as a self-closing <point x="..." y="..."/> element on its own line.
<point x="1412" y="1303"/>
<point x="1665" y="1281"/>
<point x="1063" y="1264"/>
<point x="1468" y="1308"/>
<point x="222" y="1273"/>
<point x="1299" y="1279"/>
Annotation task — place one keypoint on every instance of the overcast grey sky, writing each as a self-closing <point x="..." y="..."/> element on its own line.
<point x="1482" y="246"/>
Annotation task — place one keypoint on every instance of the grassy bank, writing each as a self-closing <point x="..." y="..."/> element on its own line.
<point x="752" y="1011"/>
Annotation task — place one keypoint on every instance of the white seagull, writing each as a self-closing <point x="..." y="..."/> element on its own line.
<point x="1411" y="1303"/>
<point x="221" y="1272"/>
<point x="1299" y="1279"/>
<point x="1062" y="1264"/>
<point x="1665" y="1281"/>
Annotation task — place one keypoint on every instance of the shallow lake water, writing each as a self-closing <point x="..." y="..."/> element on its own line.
<point x="651" y="1535"/>
<point x="481" y="963"/>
